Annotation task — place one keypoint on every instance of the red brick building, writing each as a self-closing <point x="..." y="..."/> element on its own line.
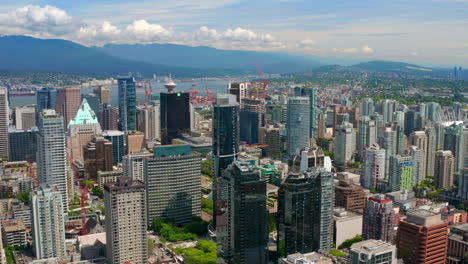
<point x="350" y="196"/>
<point x="422" y="238"/>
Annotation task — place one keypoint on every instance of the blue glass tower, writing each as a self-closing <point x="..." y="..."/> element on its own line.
<point x="127" y="104"/>
<point x="298" y="124"/>
<point x="46" y="99"/>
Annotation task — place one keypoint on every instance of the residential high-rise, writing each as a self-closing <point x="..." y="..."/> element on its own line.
<point x="252" y="118"/>
<point x="454" y="141"/>
<point x="389" y="142"/>
<point x="51" y="153"/>
<point x="308" y="158"/>
<point x="150" y="123"/>
<point x="4" y="122"/>
<point x="350" y="196"/>
<point x="431" y="150"/>
<point x="173" y="183"/>
<point x="463" y="185"/>
<point x="433" y="112"/>
<point x="444" y="169"/>
<point x="81" y="129"/>
<point x="133" y="165"/>
<point x="135" y="142"/>
<point x="248" y="216"/>
<point x="25" y="117"/>
<point x="367" y="107"/>
<point x="388" y="107"/>
<point x="48" y="228"/>
<point x="118" y="148"/>
<point x="345" y="143"/>
<point x="97" y="156"/>
<point x="127" y="104"/>
<point x="372" y="252"/>
<point x="379" y="219"/>
<point x="401" y="173"/>
<point x="174" y="113"/>
<point x="103" y="93"/>
<point x="417" y="159"/>
<point x="108" y="117"/>
<point x="311" y="93"/>
<point x="272" y="138"/>
<point x="367" y="135"/>
<point x="411" y="118"/>
<point x="68" y="102"/>
<point x="305" y="212"/>
<point x="46" y="98"/>
<point x="125" y="204"/>
<point x="419" y="139"/>
<point x="373" y="173"/>
<point x="23" y="144"/>
<point x="422" y="238"/>
<point x="298" y="124"/>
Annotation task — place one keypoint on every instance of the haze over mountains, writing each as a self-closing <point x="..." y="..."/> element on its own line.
<point x="55" y="55"/>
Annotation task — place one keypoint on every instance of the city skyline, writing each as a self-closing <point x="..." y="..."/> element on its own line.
<point x="316" y="28"/>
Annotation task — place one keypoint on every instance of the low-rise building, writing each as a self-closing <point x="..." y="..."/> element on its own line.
<point x="347" y="225"/>
<point x="13" y="232"/>
<point x="307" y="258"/>
<point x="458" y="245"/>
<point x="372" y="252"/>
<point x="109" y="176"/>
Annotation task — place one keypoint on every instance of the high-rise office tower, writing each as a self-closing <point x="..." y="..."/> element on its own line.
<point x="118" y="148"/>
<point x="444" y="169"/>
<point x="126" y="239"/>
<point x="108" y="117"/>
<point x="400" y="137"/>
<point x="310" y="93"/>
<point x="103" y="93"/>
<point x="133" y="165"/>
<point x="417" y="159"/>
<point x="411" y="118"/>
<point x="68" y="102"/>
<point x="127" y="104"/>
<point x="372" y="252"/>
<point x="225" y="132"/>
<point x="373" y="172"/>
<point x="252" y="118"/>
<point x="51" y="153"/>
<point x="272" y="138"/>
<point x="48" y="215"/>
<point x="401" y="173"/>
<point x="367" y="135"/>
<point x="419" y="139"/>
<point x="454" y="141"/>
<point x="97" y="156"/>
<point x="150" y="123"/>
<point x="238" y="89"/>
<point x="345" y="143"/>
<point x="431" y="150"/>
<point x="367" y="107"/>
<point x="298" y="124"/>
<point x="307" y="158"/>
<point x="422" y="238"/>
<point x="23" y="144"/>
<point x="175" y="113"/>
<point x="173" y="182"/>
<point x="248" y="215"/>
<point x="81" y="130"/>
<point x="93" y="101"/>
<point x="46" y="98"/>
<point x="388" y="141"/>
<point x="135" y="141"/>
<point x="463" y="185"/>
<point x="4" y="122"/>
<point x="379" y="219"/>
<point x="25" y="117"/>
<point x="305" y="212"/>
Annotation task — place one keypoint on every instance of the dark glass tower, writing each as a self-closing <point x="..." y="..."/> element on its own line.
<point x="175" y="115"/>
<point x="305" y="212"/>
<point x="127" y="104"/>
<point x="46" y="99"/>
<point x="23" y="144"/>
<point x="225" y="151"/>
<point x="247" y="232"/>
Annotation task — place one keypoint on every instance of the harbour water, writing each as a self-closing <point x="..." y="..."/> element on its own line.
<point x="216" y="86"/>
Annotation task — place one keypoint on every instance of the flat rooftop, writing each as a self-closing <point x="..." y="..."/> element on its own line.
<point x="372" y="247"/>
<point x="424" y="218"/>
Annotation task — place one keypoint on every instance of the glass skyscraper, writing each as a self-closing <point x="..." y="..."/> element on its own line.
<point x="298" y="124"/>
<point x="175" y="115"/>
<point x="305" y="212"/>
<point x="46" y="99"/>
<point x="23" y="144"/>
<point x="118" y="148"/>
<point x="127" y="104"/>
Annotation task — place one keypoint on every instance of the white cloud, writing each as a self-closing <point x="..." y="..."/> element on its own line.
<point x="106" y="31"/>
<point x="39" y="20"/>
<point x="307" y="42"/>
<point x="147" y="32"/>
<point x="362" y="50"/>
<point x="240" y="34"/>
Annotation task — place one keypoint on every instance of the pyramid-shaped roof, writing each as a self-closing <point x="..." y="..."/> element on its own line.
<point x="84" y="115"/>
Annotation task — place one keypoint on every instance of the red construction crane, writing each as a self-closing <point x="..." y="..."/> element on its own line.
<point x="263" y="82"/>
<point x="193" y="93"/>
<point x="209" y="94"/>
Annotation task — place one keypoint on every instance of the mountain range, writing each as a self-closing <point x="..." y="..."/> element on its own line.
<point x="22" y="53"/>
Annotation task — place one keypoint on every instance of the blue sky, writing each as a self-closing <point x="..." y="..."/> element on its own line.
<point x="429" y="32"/>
